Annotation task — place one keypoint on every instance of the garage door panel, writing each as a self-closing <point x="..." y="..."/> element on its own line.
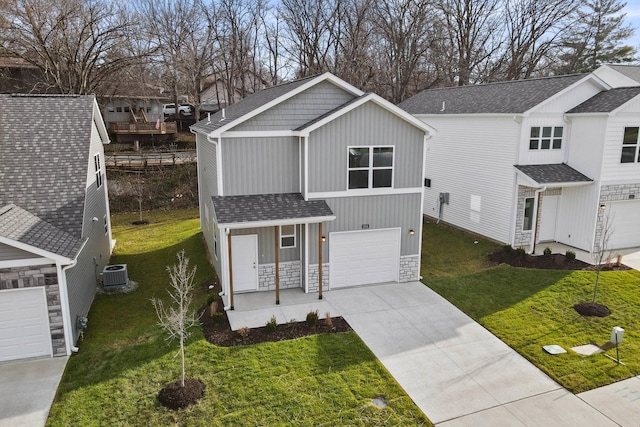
<point x="24" y="324"/>
<point x="625" y="224"/>
<point x="364" y="257"/>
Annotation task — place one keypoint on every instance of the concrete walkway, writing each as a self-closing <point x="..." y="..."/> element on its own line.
<point x="28" y="388"/>
<point x="457" y="372"/>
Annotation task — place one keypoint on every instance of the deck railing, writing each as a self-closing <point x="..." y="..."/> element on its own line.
<point x="143" y="128"/>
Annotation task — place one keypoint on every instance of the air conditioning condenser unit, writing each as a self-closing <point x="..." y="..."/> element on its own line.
<point x="115" y="275"/>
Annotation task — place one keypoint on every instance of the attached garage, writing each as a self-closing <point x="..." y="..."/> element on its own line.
<point x="363" y="257"/>
<point x="625" y="224"/>
<point x="24" y="324"/>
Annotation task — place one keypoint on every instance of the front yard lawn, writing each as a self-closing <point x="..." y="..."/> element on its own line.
<point x="322" y="380"/>
<point x="530" y="308"/>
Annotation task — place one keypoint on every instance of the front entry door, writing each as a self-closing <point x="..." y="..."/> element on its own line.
<point x="244" y="253"/>
<point x="548" y="215"/>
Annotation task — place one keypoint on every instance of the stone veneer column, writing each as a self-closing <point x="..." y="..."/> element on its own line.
<point x="409" y="268"/>
<point x="289" y="276"/>
<point x="47" y="277"/>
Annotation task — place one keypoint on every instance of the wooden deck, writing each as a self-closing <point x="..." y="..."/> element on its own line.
<point x="126" y="128"/>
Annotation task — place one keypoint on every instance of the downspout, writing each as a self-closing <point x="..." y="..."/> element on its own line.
<point x="64" y="305"/>
<point x="536" y="204"/>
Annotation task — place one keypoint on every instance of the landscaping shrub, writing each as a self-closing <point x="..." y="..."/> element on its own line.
<point x="217" y="317"/>
<point x="271" y="325"/>
<point x="507" y="249"/>
<point x="327" y="320"/>
<point x="520" y="252"/>
<point x="547" y="252"/>
<point x="312" y="318"/>
<point x="570" y="255"/>
<point x="244" y="331"/>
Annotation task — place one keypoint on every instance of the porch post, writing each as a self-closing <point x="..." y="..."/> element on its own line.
<point x="320" y="260"/>
<point x="230" y="270"/>
<point x="277" y="250"/>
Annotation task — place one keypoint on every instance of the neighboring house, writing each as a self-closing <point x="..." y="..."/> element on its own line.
<point x="311" y="179"/>
<point x="55" y="232"/>
<point x="216" y="94"/>
<point x="540" y="160"/>
<point x="19" y="76"/>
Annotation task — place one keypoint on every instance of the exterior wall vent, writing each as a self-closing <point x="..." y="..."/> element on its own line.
<point x="115" y="275"/>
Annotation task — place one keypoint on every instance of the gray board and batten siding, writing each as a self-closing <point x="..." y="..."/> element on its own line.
<point x="367" y="125"/>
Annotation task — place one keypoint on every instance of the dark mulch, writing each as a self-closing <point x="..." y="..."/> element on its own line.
<point x="218" y="331"/>
<point x="592" y="309"/>
<point x="143" y="222"/>
<point x="552" y="262"/>
<point x="174" y="396"/>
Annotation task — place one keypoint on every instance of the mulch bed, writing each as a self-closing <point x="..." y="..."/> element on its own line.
<point x="592" y="309"/>
<point x="174" y="396"/>
<point x="552" y="262"/>
<point x="218" y="331"/>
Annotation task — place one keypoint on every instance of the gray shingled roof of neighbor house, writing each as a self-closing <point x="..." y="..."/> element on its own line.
<point x="510" y="97"/>
<point x="21" y="226"/>
<point x="607" y="101"/>
<point x="553" y="174"/>
<point x="44" y="147"/>
<point x="631" y="71"/>
<point x="267" y="207"/>
<point x="247" y="105"/>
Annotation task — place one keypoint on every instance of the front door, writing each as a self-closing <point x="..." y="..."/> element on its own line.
<point x="244" y="253"/>
<point x="548" y="215"/>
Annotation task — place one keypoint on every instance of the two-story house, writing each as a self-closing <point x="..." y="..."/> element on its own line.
<point x="311" y="184"/>
<point x="539" y="160"/>
<point x="55" y="231"/>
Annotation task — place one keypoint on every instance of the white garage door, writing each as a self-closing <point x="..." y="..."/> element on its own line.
<point x="24" y="324"/>
<point x="364" y="257"/>
<point x="625" y="219"/>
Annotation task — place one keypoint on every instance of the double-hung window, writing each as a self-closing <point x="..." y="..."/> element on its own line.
<point x="98" y="167"/>
<point x="630" y="145"/>
<point x="370" y="167"/>
<point x="287" y="236"/>
<point x="546" y="137"/>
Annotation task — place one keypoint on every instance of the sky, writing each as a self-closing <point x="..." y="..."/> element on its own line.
<point x="632" y="9"/>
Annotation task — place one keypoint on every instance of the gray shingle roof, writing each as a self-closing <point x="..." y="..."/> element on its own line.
<point x="267" y="207"/>
<point x="21" y="226"/>
<point x="553" y="174"/>
<point x="631" y="71"/>
<point x="607" y="101"/>
<point x="247" y="105"/>
<point x="44" y="147"/>
<point x="510" y="97"/>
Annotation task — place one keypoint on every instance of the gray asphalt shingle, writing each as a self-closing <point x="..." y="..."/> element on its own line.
<point x="553" y="174"/>
<point x="607" y="101"/>
<point x="267" y="207"/>
<point x="510" y="97"/>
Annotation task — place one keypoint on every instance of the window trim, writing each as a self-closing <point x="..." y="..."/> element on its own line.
<point x="215" y="239"/>
<point x="286" y="236"/>
<point x="527" y="223"/>
<point x="98" y="170"/>
<point x="372" y="168"/>
<point x="552" y="138"/>
<point x="106" y="225"/>
<point x="636" y="146"/>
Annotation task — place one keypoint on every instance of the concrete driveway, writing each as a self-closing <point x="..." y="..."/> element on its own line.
<point x="28" y="388"/>
<point x="457" y="372"/>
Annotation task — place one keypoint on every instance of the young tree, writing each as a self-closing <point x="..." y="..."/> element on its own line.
<point x="178" y="318"/>
<point x="600" y="250"/>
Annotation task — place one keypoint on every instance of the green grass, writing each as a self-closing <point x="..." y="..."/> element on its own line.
<point x="323" y="380"/>
<point x="529" y="308"/>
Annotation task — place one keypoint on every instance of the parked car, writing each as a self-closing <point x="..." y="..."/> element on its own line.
<point x="183" y="109"/>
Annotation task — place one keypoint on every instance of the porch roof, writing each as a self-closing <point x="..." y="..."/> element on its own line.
<point x="557" y="175"/>
<point x="262" y="210"/>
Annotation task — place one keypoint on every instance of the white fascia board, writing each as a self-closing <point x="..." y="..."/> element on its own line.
<point x="58" y="259"/>
<point x="596" y="80"/>
<point x="26" y="262"/>
<point x="259" y="134"/>
<point x="99" y="121"/>
<point x="326" y="76"/>
<point x="276" y="222"/>
<point x="364" y="192"/>
<point x="398" y="112"/>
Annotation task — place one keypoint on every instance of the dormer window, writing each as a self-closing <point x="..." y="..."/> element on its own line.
<point x="630" y="152"/>
<point x="370" y="167"/>
<point x="546" y="138"/>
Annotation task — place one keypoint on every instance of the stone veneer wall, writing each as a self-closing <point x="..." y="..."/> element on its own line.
<point x="46" y="276"/>
<point x="409" y="268"/>
<point x="313" y="277"/>
<point x="613" y="193"/>
<point x="289" y="276"/>
<point x="522" y="238"/>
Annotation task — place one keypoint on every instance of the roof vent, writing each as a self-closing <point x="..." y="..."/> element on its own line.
<point x="115" y="275"/>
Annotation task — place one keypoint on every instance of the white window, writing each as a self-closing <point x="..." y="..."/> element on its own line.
<point x="215" y="240"/>
<point x="287" y="236"/>
<point x="528" y="214"/>
<point x="630" y="152"/>
<point x="106" y="225"/>
<point x="546" y="137"/>
<point x="370" y="167"/>
<point x="98" y="167"/>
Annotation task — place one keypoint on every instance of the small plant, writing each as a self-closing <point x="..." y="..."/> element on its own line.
<point x="312" y="318"/>
<point x="327" y="320"/>
<point x="217" y="317"/>
<point x="507" y="249"/>
<point x="271" y="325"/>
<point x="292" y="323"/>
<point x="618" y="260"/>
<point x="547" y="252"/>
<point x="570" y="255"/>
<point x="520" y="252"/>
<point x="244" y="332"/>
<point x="214" y="297"/>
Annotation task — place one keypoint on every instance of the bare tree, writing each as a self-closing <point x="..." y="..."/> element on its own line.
<point x="177" y="319"/>
<point x="601" y="250"/>
<point x="76" y="44"/>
